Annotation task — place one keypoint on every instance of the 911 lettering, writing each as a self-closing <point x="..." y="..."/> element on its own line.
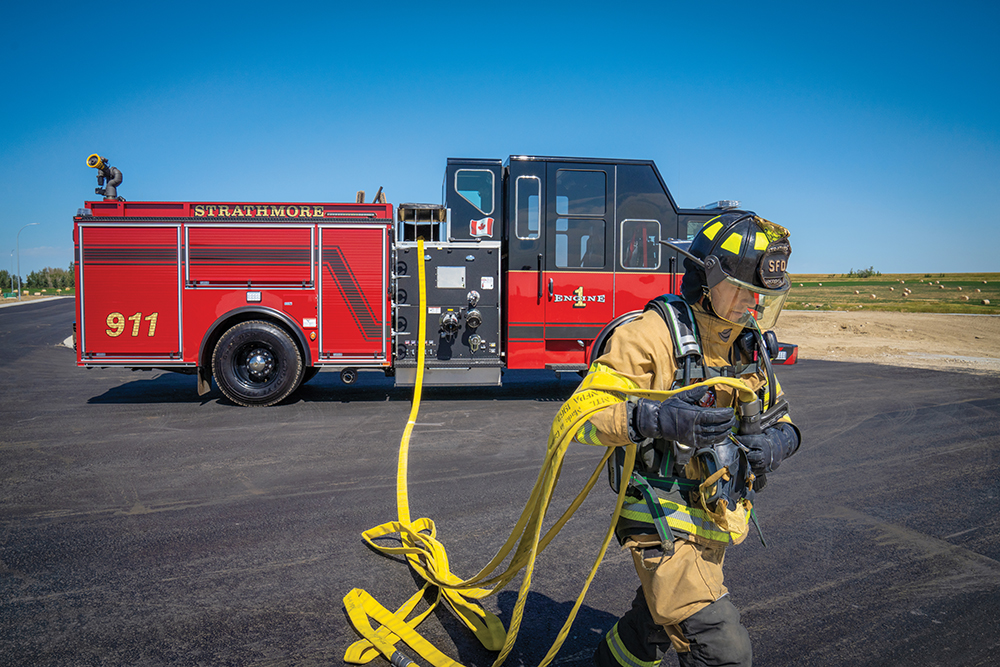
<point x="116" y="324"/>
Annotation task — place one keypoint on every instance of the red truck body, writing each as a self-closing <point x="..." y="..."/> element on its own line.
<point x="528" y="260"/>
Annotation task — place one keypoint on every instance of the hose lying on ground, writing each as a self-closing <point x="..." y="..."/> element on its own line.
<point x="428" y="557"/>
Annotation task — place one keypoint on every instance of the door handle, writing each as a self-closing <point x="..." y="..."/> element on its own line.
<point x="539" y="276"/>
<point x="551" y="282"/>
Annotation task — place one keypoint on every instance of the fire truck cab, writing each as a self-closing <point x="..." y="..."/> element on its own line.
<point x="526" y="260"/>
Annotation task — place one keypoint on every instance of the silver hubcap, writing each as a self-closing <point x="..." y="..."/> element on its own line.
<point x="260" y="364"/>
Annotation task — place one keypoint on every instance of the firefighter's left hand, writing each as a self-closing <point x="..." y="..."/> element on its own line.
<point x="770" y="448"/>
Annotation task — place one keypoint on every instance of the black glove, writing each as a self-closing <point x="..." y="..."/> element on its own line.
<point x="770" y="448"/>
<point x="680" y="418"/>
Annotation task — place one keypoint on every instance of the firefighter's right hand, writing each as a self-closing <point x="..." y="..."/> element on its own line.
<point x="681" y="418"/>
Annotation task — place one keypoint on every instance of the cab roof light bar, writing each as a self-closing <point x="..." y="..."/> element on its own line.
<point x="724" y="204"/>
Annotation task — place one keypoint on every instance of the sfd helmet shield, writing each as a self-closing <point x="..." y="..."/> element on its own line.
<point x="774" y="264"/>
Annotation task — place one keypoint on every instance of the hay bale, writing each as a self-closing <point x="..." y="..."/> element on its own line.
<point x="986" y="302"/>
<point x="965" y="298"/>
<point x="857" y="291"/>
<point x="874" y="297"/>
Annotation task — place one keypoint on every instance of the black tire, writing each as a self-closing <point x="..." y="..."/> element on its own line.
<point x="257" y="364"/>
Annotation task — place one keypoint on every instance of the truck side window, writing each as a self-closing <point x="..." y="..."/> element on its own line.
<point x="528" y="206"/>
<point x="476" y="187"/>
<point x="579" y="243"/>
<point x="692" y="224"/>
<point x="640" y="244"/>
<point x="580" y="192"/>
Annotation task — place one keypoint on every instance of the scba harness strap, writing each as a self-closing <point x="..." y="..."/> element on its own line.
<point x="677" y="315"/>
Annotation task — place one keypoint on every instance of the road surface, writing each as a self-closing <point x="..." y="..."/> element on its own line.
<point x="141" y="524"/>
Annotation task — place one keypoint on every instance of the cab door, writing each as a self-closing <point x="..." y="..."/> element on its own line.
<point x="525" y="275"/>
<point x="579" y="276"/>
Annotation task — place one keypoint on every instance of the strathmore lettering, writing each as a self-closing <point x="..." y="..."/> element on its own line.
<point x="257" y="211"/>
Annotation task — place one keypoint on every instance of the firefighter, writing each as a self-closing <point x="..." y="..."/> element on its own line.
<point x="677" y="529"/>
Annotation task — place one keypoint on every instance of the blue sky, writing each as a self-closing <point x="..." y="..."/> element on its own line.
<point x="870" y="130"/>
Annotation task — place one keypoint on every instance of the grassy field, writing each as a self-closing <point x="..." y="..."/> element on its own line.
<point x="66" y="291"/>
<point x="905" y="292"/>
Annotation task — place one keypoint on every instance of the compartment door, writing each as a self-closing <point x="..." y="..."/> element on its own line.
<point x="354" y="303"/>
<point x="130" y="285"/>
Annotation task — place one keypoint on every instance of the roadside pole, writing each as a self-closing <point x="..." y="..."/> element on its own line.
<point x="19" y="288"/>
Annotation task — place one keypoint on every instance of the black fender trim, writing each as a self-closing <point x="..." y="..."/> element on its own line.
<point x="242" y="315"/>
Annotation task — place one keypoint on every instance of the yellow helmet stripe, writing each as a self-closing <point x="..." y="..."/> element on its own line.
<point x="732" y="244"/>
<point x="760" y="241"/>
<point x="712" y="230"/>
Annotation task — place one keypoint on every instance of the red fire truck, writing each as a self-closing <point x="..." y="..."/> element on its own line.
<point x="526" y="260"/>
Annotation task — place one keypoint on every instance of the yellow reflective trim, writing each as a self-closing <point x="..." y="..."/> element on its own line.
<point x="681" y="517"/>
<point x="587" y="435"/>
<point x="732" y="244"/>
<point x="760" y="241"/>
<point x="712" y="230"/>
<point x="621" y="654"/>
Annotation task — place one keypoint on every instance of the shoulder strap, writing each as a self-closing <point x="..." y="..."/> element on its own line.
<point x="680" y="321"/>
<point x="677" y="315"/>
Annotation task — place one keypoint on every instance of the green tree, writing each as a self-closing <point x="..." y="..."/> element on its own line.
<point x="50" y="278"/>
<point x="870" y="272"/>
<point x="34" y="280"/>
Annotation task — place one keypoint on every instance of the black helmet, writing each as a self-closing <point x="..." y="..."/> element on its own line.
<point x="740" y="261"/>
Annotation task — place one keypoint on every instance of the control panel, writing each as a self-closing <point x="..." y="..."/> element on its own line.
<point x="462" y="308"/>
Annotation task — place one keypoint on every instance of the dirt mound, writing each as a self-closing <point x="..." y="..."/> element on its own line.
<point x="923" y="340"/>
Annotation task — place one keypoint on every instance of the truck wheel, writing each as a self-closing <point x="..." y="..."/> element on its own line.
<point x="257" y="363"/>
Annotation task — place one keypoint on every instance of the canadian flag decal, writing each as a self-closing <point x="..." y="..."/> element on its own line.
<point x="482" y="227"/>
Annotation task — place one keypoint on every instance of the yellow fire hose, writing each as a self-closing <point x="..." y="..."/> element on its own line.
<point x="428" y="557"/>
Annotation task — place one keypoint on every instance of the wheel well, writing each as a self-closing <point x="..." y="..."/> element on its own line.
<point x="232" y="318"/>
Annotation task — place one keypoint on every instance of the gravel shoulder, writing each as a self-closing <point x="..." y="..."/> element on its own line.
<point x="968" y="343"/>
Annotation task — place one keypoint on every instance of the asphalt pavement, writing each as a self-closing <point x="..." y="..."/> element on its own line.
<point x="141" y="524"/>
